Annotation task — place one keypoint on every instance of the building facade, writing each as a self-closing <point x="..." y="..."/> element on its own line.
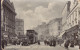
<point x="65" y="12"/>
<point x="72" y="21"/>
<point x="55" y="27"/>
<point x="7" y="19"/>
<point x="42" y="31"/>
<point x="19" y="26"/>
<point x="74" y="15"/>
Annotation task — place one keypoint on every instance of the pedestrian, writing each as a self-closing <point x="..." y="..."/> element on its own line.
<point x="79" y="43"/>
<point x="72" y="44"/>
<point x="38" y="42"/>
<point x="20" y="43"/>
<point x="2" y="43"/>
<point x="67" y="44"/>
<point x="50" y="43"/>
<point x="79" y="46"/>
<point x="45" y="42"/>
<point x="54" y="42"/>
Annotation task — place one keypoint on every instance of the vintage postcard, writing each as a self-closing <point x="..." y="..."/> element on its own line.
<point x="40" y="24"/>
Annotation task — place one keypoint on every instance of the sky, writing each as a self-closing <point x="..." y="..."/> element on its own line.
<point x="34" y="12"/>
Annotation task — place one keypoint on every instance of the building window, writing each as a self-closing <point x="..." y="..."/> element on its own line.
<point x="75" y="20"/>
<point x="72" y="22"/>
<point x="75" y="13"/>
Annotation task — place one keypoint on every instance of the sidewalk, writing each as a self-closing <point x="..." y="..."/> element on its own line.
<point x="72" y="48"/>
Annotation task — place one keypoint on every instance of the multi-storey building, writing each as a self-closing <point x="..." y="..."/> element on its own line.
<point x="65" y="12"/>
<point x="19" y="27"/>
<point x="73" y="20"/>
<point x="7" y="19"/>
<point x="55" y="27"/>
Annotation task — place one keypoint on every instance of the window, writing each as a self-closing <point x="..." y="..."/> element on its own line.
<point x="72" y="22"/>
<point x="75" y="13"/>
<point x="75" y="20"/>
<point x="75" y="17"/>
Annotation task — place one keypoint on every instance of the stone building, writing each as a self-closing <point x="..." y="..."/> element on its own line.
<point x="42" y="31"/>
<point x="7" y="19"/>
<point x="65" y="12"/>
<point x="73" y="20"/>
<point x="19" y="26"/>
<point x="55" y="27"/>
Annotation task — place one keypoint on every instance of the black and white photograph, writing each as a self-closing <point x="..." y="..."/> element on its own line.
<point x="40" y="25"/>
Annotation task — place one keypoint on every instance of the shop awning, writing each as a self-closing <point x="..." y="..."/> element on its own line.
<point x="72" y="30"/>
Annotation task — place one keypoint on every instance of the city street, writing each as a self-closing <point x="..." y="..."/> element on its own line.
<point x="40" y="25"/>
<point x="37" y="47"/>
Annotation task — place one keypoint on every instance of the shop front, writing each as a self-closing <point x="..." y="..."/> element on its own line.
<point x="72" y="34"/>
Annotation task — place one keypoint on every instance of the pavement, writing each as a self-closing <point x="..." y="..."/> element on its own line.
<point x="71" y="48"/>
<point x="38" y="47"/>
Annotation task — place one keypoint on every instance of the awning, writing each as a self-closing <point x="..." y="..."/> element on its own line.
<point x="73" y="29"/>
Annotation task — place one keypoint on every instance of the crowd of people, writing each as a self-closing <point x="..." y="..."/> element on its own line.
<point x="71" y="43"/>
<point x="67" y="43"/>
<point x="50" y="43"/>
<point x="3" y="43"/>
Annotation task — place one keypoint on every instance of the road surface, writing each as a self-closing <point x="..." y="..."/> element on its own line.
<point x="37" y="47"/>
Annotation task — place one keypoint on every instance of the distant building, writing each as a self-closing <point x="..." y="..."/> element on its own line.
<point x="55" y="27"/>
<point x="7" y="19"/>
<point x="19" y="27"/>
<point x="42" y="31"/>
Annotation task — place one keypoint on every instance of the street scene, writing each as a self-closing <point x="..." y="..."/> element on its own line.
<point x="40" y="25"/>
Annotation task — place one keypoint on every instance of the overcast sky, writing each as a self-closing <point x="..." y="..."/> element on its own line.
<point x="34" y="12"/>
